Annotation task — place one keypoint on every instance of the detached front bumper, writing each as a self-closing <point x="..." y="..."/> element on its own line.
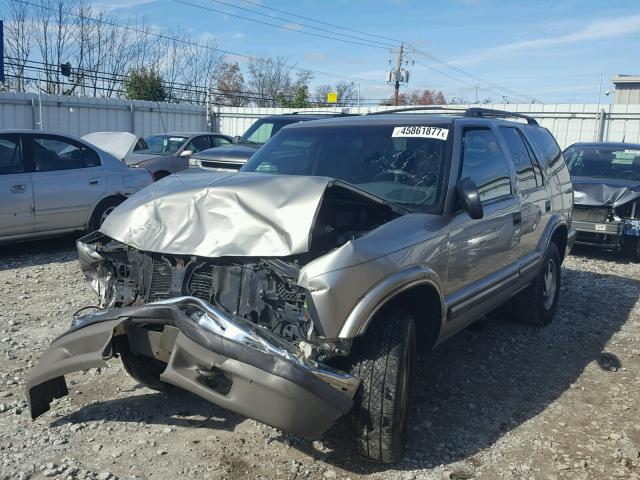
<point x="263" y="378"/>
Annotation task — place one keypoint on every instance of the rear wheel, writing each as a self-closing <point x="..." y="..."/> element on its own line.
<point x="102" y="211"/>
<point x="384" y="359"/>
<point x="537" y="304"/>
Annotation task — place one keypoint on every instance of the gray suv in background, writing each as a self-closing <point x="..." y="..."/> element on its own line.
<point x="299" y="289"/>
<point x="233" y="157"/>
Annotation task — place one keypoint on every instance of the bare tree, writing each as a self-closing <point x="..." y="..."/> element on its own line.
<point x="201" y="66"/>
<point x="54" y="29"/>
<point x="230" y="86"/>
<point x="321" y="92"/>
<point x="272" y="78"/>
<point x="18" y="38"/>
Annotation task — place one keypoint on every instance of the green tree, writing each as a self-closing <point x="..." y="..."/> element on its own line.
<point x="145" y="84"/>
<point x="299" y="100"/>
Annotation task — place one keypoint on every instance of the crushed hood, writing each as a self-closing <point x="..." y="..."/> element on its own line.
<point x="221" y="214"/>
<point x="118" y="144"/>
<point x="595" y="192"/>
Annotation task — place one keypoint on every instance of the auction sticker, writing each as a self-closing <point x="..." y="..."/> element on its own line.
<point x="421" y="131"/>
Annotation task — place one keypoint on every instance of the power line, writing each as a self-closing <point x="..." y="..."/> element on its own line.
<point x="305" y="25"/>
<point x="395" y="40"/>
<point x="469" y="75"/>
<point x="196" y="44"/>
<point x="211" y="9"/>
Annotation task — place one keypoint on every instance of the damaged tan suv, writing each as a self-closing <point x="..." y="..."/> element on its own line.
<point x="298" y="290"/>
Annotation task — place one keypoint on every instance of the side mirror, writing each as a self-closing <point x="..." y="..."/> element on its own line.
<point x="236" y="139"/>
<point x="186" y="153"/>
<point x="469" y="198"/>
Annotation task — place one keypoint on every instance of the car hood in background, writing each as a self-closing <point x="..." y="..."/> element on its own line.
<point x="594" y="192"/>
<point x="222" y="214"/>
<point x="118" y="144"/>
<point x="232" y="153"/>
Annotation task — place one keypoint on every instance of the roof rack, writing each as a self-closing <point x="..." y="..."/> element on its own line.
<point x="417" y="109"/>
<point x="316" y="112"/>
<point x="488" y="112"/>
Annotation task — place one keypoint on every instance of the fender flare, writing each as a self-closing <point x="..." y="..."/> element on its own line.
<point x="383" y="292"/>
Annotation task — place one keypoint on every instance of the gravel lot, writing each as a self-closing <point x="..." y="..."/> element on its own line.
<point x="504" y="401"/>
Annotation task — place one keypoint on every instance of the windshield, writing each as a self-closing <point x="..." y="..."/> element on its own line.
<point x="403" y="165"/>
<point x="602" y="161"/>
<point x="263" y="130"/>
<point x="162" y="145"/>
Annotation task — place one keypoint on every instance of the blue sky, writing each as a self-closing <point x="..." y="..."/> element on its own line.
<point x="553" y="51"/>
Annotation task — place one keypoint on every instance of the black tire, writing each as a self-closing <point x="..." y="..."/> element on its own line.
<point x="101" y="211"/>
<point x="631" y="248"/>
<point x="145" y="370"/>
<point x="384" y="358"/>
<point x="160" y="175"/>
<point x="535" y="306"/>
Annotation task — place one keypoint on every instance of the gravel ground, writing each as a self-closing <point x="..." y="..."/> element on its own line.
<point x="504" y="401"/>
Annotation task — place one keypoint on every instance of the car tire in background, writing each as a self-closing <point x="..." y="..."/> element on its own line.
<point x="104" y="208"/>
<point x="384" y="359"/>
<point x="537" y="304"/>
<point x="631" y="248"/>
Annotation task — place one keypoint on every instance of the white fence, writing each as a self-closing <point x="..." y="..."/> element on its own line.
<point x="569" y="123"/>
<point x="80" y="115"/>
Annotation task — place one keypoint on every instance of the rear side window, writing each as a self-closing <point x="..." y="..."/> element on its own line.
<point x="56" y="153"/>
<point x="549" y="149"/>
<point x="527" y="169"/>
<point x="484" y="163"/>
<point x="10" y="156"/>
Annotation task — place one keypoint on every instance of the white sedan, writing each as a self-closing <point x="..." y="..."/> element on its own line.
<point x="52" y="184"/>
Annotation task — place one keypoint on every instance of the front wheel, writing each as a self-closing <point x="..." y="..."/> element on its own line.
<point x="102" y="211"/>
<point x="537" y="304"/>
<point x="384" y="359"/>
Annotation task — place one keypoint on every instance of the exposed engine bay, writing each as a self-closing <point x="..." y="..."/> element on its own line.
<point x="263" y="291"/>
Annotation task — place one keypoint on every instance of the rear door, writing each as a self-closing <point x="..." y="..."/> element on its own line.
<point x="534" y="201"/>
<point x="481" y="266"/>
<point x="16" y="189"/>
<point x="68" y="181"/>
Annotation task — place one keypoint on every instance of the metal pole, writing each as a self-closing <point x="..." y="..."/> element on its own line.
<point x="358" y="94"/>
<point x="603" y="117"/>
<point x="398" y="72"/>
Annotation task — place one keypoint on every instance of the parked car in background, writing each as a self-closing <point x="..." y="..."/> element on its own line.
<point x="298" y="290"/>
<point x="606" y="182"/>
<point x="161" y="154"/>
<point x="53" y="184"/>
<point x="232" y="157"/>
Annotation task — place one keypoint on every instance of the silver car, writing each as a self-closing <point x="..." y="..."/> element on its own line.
<point x="298" y="290"/>
<point x="164" y="154"/>
<point x="53" y="184"/>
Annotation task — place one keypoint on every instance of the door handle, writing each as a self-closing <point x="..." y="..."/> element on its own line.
<point x="18" y="188"/>
<point x="517" y="218"/>
<point x="94" y="181"/>
<point x="547" y="205"/>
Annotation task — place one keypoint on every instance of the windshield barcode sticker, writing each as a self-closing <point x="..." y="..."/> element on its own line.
<point x="420" y="131"/>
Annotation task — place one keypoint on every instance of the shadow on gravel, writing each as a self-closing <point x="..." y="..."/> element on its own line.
<point x="481" y="384"/>
<point x="470" y="391"/>
<point x="175" y="407"/>
<point x="39" y="252"/>
<point x="581" y="251"/>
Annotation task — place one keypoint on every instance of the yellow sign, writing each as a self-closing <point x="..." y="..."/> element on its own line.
<point x="332" y="97"/>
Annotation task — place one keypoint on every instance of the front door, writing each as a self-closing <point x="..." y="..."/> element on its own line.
<point x="68" y="181"/>
<point x="16" y="190"/>
<point x="482" y="252"/>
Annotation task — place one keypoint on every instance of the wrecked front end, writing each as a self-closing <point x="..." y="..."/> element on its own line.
<point x="235" y="331"/>
<point x="607" y="215"/>
<point x="228" y="320"/>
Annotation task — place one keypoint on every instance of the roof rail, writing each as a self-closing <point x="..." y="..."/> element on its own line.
<point x="417" y="109"/>
<point x="316" y="112"/>
<point x="488" y="112"/>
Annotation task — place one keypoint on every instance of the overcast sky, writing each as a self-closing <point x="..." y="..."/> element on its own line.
<point x="554" y="51"/>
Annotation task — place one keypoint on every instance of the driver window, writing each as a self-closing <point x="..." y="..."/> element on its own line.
<point x="10" y="157"/>
<point x="198" y="144"/>
<point x="262" y="133"/>
<point x="484" y="163"/>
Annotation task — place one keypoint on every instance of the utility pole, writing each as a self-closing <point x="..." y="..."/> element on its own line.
<point x="397" y="75"/>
